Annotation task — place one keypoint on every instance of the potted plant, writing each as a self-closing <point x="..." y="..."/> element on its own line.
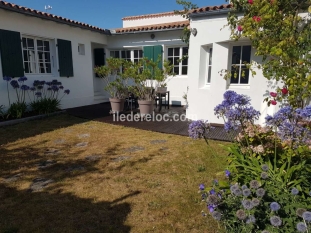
<point x="148" y="76"/>
<point x="116" y="82"/>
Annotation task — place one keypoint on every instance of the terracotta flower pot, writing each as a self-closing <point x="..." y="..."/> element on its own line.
<point x="146" y="107"/>
<point x="117" y="105"/>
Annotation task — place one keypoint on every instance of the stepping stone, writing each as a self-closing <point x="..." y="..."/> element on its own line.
<point x="46" y="164"/>
<point x="75" y="168"/>
<point x="134" y="149"/>
<point x="39" y="184"/>
<point x="52" y="151"/>
<point x="121" y="158"/>
<point x="164" y="149"/>
<point x="12" y="178"/>
<point x="158" y="142"/>
<point x="59" y="141"/>
<point x="82" y="144"/>
<point x="93" y="157"/>
<point x="86" y="135"/>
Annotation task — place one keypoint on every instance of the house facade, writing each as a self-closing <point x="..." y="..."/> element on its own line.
<point x="211" y="52"/>
<point x="42" y="46"/>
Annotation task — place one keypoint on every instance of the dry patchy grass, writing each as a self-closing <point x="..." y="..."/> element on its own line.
<point x="137" y="182"/>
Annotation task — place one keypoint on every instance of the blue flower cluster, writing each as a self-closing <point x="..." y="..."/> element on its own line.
<point x="292" y="124"/>
<point x="236" y="110"/>
<point x="51" y="86"/>
<point x="198" y="129"/>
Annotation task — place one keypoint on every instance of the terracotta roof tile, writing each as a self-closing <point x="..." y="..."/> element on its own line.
<point x="44" y="15"/>
<point x="163" y="26"/>
<point x="148" y="16"/>
<point x="211" y="8"/>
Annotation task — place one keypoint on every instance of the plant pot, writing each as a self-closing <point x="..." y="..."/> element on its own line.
<point x="146" y="107"/>
<point x="161" y="89"/>
<point x="117" y="105"/>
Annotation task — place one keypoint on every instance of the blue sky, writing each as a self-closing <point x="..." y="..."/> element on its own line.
<point x="107" y="13"/>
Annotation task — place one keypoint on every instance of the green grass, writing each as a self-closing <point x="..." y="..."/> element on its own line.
<point x="153" y="190"/>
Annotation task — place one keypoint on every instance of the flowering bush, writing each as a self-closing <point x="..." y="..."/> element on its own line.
<point x="44" y="96"/>
<point x="257" y="206"/>
<point x="269" y="169"/>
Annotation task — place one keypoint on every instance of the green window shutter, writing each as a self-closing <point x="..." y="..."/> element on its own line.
<point x="148" y="52"/>
<point x="157" y="51"/>
<point x="99" y="57"/>
<point x="11" y="53"/>
<point x="65" y="58"/>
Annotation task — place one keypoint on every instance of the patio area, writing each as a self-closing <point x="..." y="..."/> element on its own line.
<point x="100" y="112"/>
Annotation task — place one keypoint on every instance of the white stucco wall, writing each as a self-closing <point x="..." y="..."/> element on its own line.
<point x="203" y="98"/>
<point x="81" y="85"/>
<point x="152" y="20"/>
<point x="178" y="84"/>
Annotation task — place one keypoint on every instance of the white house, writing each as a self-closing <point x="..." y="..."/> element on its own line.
<point x="211" y="51"/>
<point x="43" y="46"/>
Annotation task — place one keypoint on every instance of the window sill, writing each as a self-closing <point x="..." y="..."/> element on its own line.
<point x="206" y="87"/>
<point x="239" y="86"/>
<point x="180" y="76"/>
<point x="40" y="75"/>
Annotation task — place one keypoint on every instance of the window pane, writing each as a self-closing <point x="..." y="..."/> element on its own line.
<point x="209" y="74"/>
<point x="235" y="75"/>
<point x="170" y="52"/>
<point x="176" y="70"/>
<point x="25" y="54"/>
<point x="40" y="56"/>
<point x="185" y="51"/>
<point x="185" y="61"/>
<point x="32" y="67"/>
<point x="140" y="53"/>
<point x="24" y="43"/>
<point x="244" y="76"/>
<point x="176" y="51"/>
<point x="176" y="60"/>
<point x="236" y="54"/>
<point x="26" y="65"/>
<point x="123" y="54"/>
<point x="46" y="46"/>
<point x="170" y="59"/>
<point x="210" y="56"/>
<point x="47" y="57"/>
<point x="246" y="54"/>
<point x="30" y="43"/>
<point x="48" y="67"/>
<point x="31" y="55"/>
<point x="184" y="70"/>
<point x="135" y="53"/>
<point x="40" y="45"/>
<point x="128" y="54"/>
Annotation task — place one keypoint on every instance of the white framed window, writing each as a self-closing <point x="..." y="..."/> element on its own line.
<point x="209" y="65"/>
<point x="178" y="56"/>
<point x="133" y="55"/>
<point x="239" y="72"/>
<point x="36" y="55"/>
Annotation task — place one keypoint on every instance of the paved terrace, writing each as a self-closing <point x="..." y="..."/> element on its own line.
<point x="100" y="112"/>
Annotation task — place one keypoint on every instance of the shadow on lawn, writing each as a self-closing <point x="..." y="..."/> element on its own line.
<point x="22" y="211"/>
<point x="32" y="128"/>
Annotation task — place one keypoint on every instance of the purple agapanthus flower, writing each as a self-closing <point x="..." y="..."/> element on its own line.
<point x="202" y="187"/>
<point x="212" y="192"/>
<point x="14" y="84"/>
<point x="67" y="92"/>
<point x="227" y="173"/>
<point x="198" y="129"/>
<point x="7" y="78"/>
<point x="211" y="207"/>
<point x="25" y="87"/>
<point x="22" y="79"/>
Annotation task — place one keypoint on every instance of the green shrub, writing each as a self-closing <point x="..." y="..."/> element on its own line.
<point x="17" y="109"/>
<point x="45" y="105"/>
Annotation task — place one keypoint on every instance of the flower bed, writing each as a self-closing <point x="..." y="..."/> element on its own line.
<point x="266" y="187"/>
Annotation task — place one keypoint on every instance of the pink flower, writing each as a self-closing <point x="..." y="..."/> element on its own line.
<point x="273" y="102"/>
<point x="240" y="28"/>
<point x="284" y="91"/>
<point x="256" y="18"/>
<point x="250" y="1"/>
<point x="273" y="94"/>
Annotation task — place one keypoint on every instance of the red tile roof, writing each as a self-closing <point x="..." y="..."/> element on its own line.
<point x="211" y="8"/>
<point x="44" y="15"/>
<point x="162" y="26"/>
<point x="148" y="16"/>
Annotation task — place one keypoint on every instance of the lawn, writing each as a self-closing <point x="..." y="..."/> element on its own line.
<point x="65" y="174"/>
